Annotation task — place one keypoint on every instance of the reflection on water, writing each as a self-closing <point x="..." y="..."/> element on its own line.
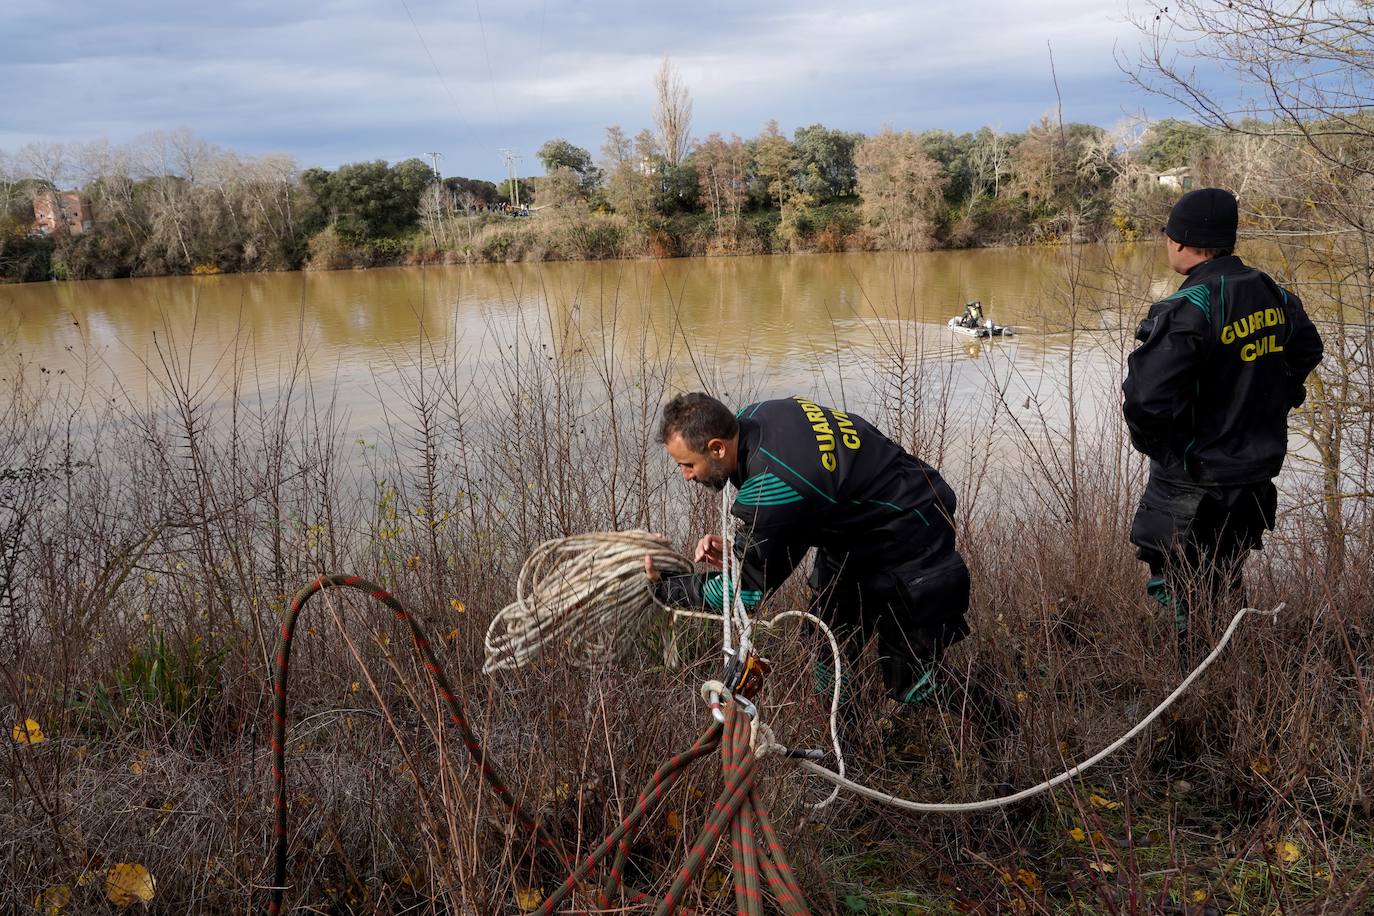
<point x="778" y="325"/>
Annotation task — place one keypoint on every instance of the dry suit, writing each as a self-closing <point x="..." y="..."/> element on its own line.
<point x="880" y="519"/>
<point x="1220" y="364"/>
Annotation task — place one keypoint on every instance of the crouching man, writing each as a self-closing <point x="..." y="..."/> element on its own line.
<point x="812" y="476"/>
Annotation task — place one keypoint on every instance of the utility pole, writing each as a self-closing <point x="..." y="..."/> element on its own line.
<point x="435" y="157"/>
<point x="511" y="175"/>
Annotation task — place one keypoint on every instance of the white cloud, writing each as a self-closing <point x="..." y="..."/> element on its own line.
<point x="352" y="79"/>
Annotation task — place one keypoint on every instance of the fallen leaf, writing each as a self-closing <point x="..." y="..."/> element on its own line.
<point x="528" y="899"/>
<point x="1260" y="765"/>
<point x="28" y="732"/>
<point x="136" y="768"/>
<point x="1287" y="851"/>
<point x="1099" y="802"/>
<point x="354" y="687"/>
<point x="1022" y="696"/>
<point x="53" y="899"/>
<point x="1028" y="880"/>
<point x="674" y="822"/>
<point x="457" y="605"/>
<point x="1105" y="868"/>
<point x="1198" y="896"/>
<point x="129" y="883"/>
<point x="1077" y="835"/>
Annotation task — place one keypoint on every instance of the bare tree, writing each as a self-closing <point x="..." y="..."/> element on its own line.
<point x="1299" y="153"/>
<point x="629" y="165"/>
<point x="672" y="113"/>
<point x="900" y="186"/>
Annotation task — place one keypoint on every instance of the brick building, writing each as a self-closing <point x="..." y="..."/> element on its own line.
<point x="72" y="208"/>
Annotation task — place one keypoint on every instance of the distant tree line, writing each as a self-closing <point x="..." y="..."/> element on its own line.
<point x="172" y="203"/>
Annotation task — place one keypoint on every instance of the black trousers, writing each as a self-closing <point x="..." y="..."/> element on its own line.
<point x="915" y="611"/>
<point x="1195" y="539"/>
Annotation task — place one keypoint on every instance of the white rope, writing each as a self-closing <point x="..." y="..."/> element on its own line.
<point x="957" y="807"/>
<point x="588" y="591"/>
<point x="713" y="696"/>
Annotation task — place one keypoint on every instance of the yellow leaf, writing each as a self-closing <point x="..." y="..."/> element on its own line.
<point x="452" y="636"/>
<point x="129" y="883"/>
<point x="674" y="822"/>
<point x="457" y="605"/>
<point x="53" y="899"/>
<point x="1022" y="696"/>
<point x="136" y="768"/>
<point x="1028" y="879"/>
<point x="28" y="732"/>
<point x="413" y="562"/>
<point x="1105" y="868"/>
<point x="1100" y="802"/>
<point x="528" y="898"/>
<point x="1287" y="852"/>
<point x="354" y="687"/>
<point x="1197" y="896"/>
<point x="1077" y="835"/>
<point x="1260" y="765"/>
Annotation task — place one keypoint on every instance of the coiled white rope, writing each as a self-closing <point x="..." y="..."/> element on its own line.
<point x="590" y="592"/>
<point x="587" y="592"/>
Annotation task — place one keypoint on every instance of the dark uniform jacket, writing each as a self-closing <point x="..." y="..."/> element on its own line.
<point x="1222" y="361"/>
<point x="812" y="476"/>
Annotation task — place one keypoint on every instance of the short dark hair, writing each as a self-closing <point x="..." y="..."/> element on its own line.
<point x="1213" y="253"/>
<point x="697" y="418"/>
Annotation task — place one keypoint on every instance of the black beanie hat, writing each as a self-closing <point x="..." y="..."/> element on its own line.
<point x="1205" y="218"/>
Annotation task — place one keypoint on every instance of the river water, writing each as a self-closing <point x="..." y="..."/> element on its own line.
<point x="846" y="329"/>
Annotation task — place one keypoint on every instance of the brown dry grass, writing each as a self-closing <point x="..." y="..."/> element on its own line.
<point x="246" y="499"/>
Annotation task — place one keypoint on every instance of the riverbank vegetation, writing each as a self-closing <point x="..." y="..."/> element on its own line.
<point x="175" y="204"/>
<point x="172" y="203"/>
<point x="150" y="555"/>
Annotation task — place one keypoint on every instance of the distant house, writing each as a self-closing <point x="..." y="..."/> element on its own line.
<point x="70" y="209"/>
<point x="1180" y="179"/>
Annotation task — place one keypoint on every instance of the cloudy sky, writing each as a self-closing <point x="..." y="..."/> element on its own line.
<point x="333" y="81"/>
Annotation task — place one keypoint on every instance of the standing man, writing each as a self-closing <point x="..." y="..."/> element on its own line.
<point x="812" y="476"/>
<point x="1220" y="364"/>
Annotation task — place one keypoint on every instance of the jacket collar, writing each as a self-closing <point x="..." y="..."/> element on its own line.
<point x="749" y="433"/>
<point x="1213" y="268"/>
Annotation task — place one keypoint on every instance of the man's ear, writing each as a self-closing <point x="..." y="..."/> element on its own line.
<point x="716" y="448"/>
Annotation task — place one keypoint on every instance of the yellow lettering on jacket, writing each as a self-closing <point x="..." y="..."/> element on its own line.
<point x="848" y="434"/>
<point x="1257" y="348"/>
<point x="1253" y="323"/>
<point x="825" y="434"/>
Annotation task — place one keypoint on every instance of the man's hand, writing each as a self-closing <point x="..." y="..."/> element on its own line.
<point x="653" y="574"/>
<point x="710" y="550"/>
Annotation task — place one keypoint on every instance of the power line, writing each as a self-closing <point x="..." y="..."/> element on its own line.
<point x="437" y="72"/>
